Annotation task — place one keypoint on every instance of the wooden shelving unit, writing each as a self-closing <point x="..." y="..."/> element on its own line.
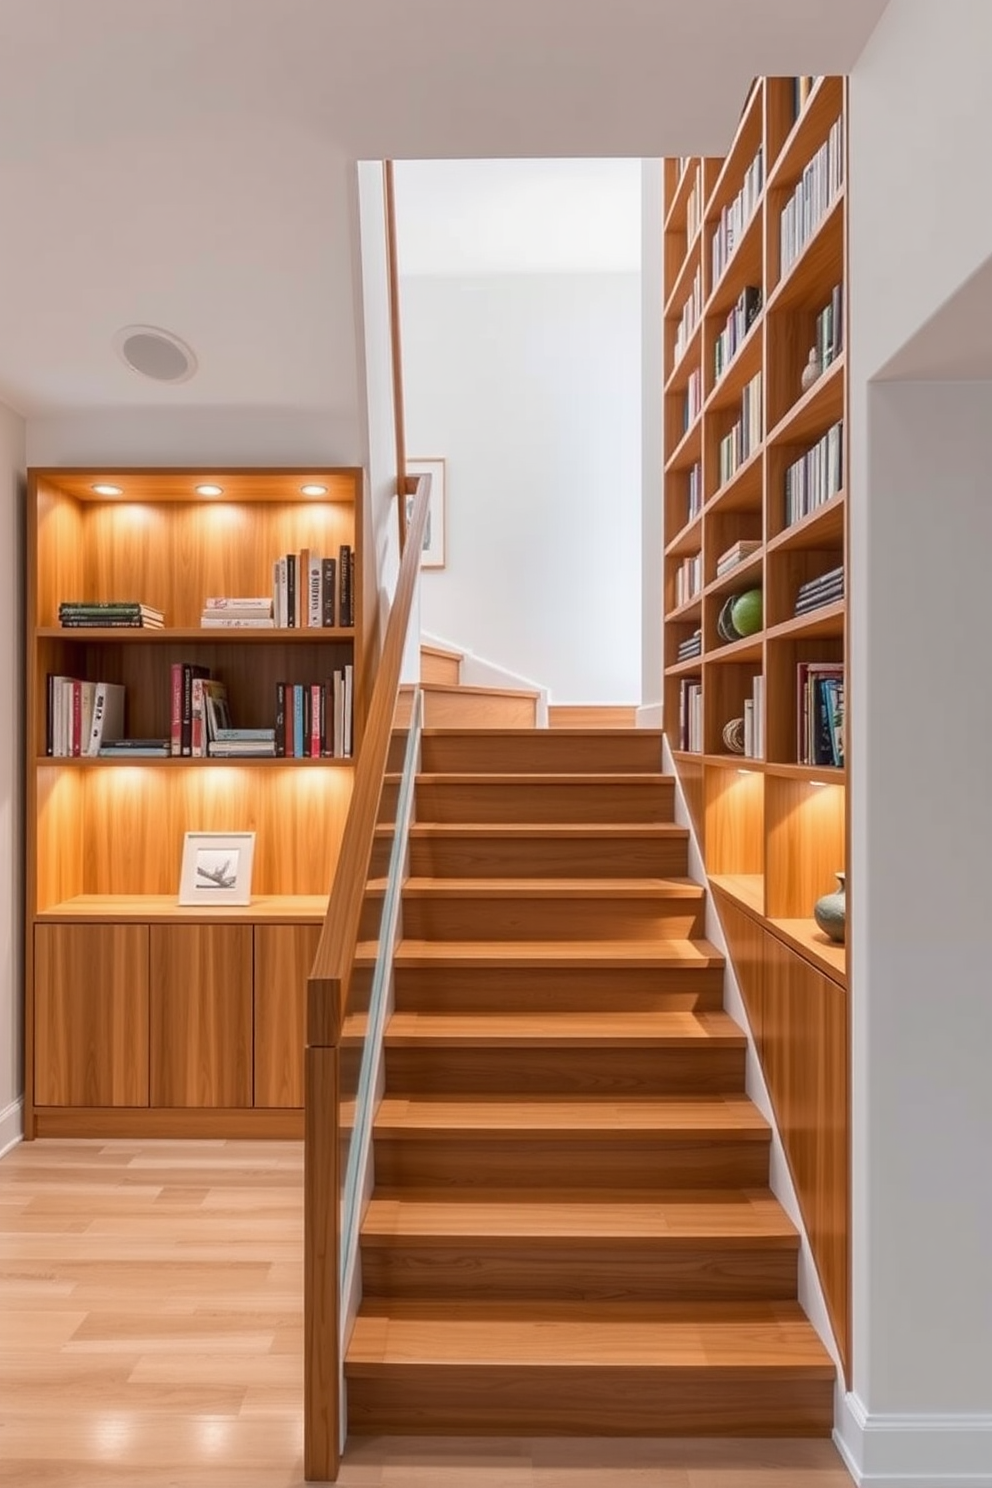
<point x="773" y="830"/>
<point x="779" y="835"/>
<point x="144" y="1017"/>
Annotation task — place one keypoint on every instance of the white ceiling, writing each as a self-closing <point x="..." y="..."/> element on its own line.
<point x="186" y="163"/>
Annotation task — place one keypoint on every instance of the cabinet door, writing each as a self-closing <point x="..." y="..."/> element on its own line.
<point x="283" y="958"/>
<point x="200" y="1015"/>
<point x="91" y="1015"/>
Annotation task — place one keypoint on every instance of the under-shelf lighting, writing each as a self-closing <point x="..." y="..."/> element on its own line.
<point x="747" y="772"/>
<point x="820" y="784"/>
<point x="105" y="490"/>
<point x="210" y="490"/>
<point x="313" y="490"/>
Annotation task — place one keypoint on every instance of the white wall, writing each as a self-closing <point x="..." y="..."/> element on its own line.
<point x="528" y="385"/>
<point x="920" y="1410"/>
<point x="11" y="772"/>
<point x="652" y="442"/>
<point x="188" y="435"/>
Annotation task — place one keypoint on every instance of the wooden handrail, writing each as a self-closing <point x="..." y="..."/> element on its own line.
<point x="327" y="993"/>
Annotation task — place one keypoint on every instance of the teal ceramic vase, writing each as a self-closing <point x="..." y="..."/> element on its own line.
<point x="830" y="912"/>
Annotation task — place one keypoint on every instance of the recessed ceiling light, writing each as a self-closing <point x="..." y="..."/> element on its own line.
<point x="210" y="490"/>
<point x="104" y="490"/>
<point x="314" y="490"/>
<point x="155" y="353"/>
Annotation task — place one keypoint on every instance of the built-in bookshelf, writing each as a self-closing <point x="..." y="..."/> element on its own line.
<point x="755" y="404"/>
<point x="144" y="1016"/>
<point x="755" y="500"/>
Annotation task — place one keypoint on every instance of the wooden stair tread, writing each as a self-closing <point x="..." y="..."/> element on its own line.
<point x="660" y="1029"/>
<point x="496" y="1117"/>
<point x="767" y="1338"/>
<point x="430" y="650"/>
<point x="565" y="831"/>
<point x="518" y="955"/>
<point x="596" y="778"/>
<point x="546" y="888"/>
<point x="498" y="733"/>
<point x="459" y="689"/>
<point x="716" y="1218"/>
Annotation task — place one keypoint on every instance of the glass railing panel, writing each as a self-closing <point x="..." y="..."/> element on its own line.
<point x="370" y="990"/>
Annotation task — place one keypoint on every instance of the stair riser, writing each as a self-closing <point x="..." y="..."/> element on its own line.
<point x="438" y="918"/>
<point x="445" y="670"/>
<point x="539" y="801"/>
<point x="572" y="1400"/>
<point x="542" y="749"/>
<point x="441" y="989"/>
<point x="564" y="1071"/>
<point x="478" y="710"/>
<point x="573" y="1161"/>
<point x="464" y="1271"/>
<point x="577" y="857"/>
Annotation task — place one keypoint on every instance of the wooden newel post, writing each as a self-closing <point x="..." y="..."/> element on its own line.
<point x="321" y="1236"/>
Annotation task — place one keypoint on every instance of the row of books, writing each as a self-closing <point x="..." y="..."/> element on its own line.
<point x="754" y="719"/>
<point x="746" y="435"/>
<point x="688" y="579"/>
<point x="816" y="476"/>
<point x="802" y="87"/>
<point x="110" y="614"/>
<point x="691" y="714"/>
<point x="695" y="485"/>
<point x="694" y="206"/>
<point x="826" y="589"/>
<point x="830" y="329"/>
<point x="315" y="592"/>
<point x="314" y="720"/>
<point x="248" y="611"/>
<point x="820" y="713"/>
<point x="736" y="554"/>
<point x="735" y="217"/>
<point x="821" y="180"/>
<point x="693" y="399"/>
<point x="691" y="311"/>
<point x="82" y="717"/>
<point x="739" y="322"/>
<point x="690" y="646"/>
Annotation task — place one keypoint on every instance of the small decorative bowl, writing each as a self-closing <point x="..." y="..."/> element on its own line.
<point x="733" y="735"/>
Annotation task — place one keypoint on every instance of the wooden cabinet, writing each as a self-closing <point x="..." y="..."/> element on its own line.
<point x="200" y="1015"/>
<point x="90" y="1021"/>
<point x="754" y="269"/>
<point x="283" y="957"/>
<point x="104" y="836"/>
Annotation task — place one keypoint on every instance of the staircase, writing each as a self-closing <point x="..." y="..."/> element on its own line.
<point x="571" y="1230"/>
<point x="448" y="703"/>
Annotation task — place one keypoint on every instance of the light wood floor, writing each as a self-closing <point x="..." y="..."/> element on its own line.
<point x="151" y="1333"/>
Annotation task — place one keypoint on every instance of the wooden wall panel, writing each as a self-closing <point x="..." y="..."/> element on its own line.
<point x="735" y="839"/>
<point x="200" y="1015"/>
<point x="283" y="958"/>
<point x="799" y="1020"/>
<point x="805" y="844"/>
<point x="91" y="1015"/>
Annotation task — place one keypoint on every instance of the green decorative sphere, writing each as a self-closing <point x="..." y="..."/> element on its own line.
<point x="746" y="612"/>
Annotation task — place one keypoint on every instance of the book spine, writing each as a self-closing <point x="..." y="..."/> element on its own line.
<point x="198" y="743"/>
<point x="77" y="718"/>
<point x="280" y="719"/>
<point x="298" y="729"/>
<point x="327" y="582"/>
<point x="314" y="588"/>
<point x="291" y="601"/>
<point x="344" y="585"/>
<point x="99" y="712"/>
<point x="186" y="720"/>
<point x="315" y="739"/>
<point x="250" y="602"/>
<point x="176" y="723"/>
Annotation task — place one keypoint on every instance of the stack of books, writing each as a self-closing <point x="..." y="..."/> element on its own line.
<point x="312" y="592"/>
<point x="242" y="743"/>
<point x="252" y="613"/>
<point x="124" y="749"/>
<point x="827" y="589"/>
<point x="128" y="614"/>
<point x="736" y="554"/>
<point x="691" y="646"/>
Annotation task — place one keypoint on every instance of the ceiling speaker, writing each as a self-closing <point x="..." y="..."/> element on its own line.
<point x="155" y="353"/>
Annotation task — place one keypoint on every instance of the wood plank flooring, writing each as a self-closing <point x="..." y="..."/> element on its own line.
<point x="151" y="1334"/>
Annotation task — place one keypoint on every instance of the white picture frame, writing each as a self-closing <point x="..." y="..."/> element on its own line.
<point x="216" y="868"/>
<point x="433" y="555"/>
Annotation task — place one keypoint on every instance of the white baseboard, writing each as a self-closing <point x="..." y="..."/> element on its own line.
<point x="914" y="1451"/>
<point x="648" y="716"/>
<point x="11" y="1125"/>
